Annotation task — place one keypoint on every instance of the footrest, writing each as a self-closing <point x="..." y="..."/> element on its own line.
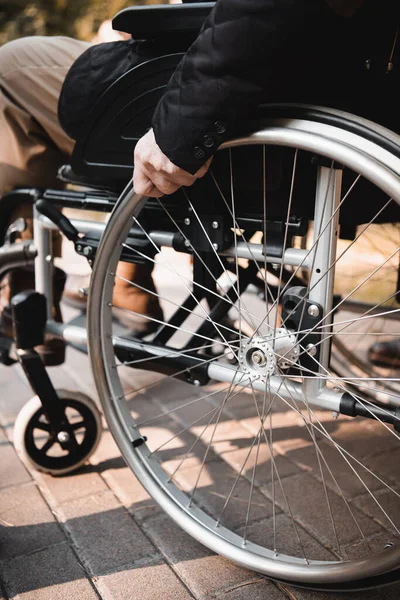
<point x="29" y="316"/>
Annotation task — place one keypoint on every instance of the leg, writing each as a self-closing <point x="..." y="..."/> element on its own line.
<point x="32" y="72"/>
<point x="33" y="146"/>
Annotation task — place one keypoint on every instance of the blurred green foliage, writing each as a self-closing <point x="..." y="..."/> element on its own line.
<point x="76" y="18"/>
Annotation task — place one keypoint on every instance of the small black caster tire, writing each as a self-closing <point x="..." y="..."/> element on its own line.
<point x="39" y="447"/>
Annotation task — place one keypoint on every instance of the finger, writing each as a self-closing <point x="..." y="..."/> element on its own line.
<point x="161" y="182"/>
<point x="203" y="170"/>
<point x="143" y="185"/>
<point x="176" y="174"/>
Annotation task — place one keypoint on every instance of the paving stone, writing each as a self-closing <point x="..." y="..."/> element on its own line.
<point x="149" y="582"/>
<point x="50" y="574"/>
<point x="12" y="471"/>
<point x="187" y="454"/>
<point x="218" y="482"/>
<point x="144" y="409"/>
<point x="387" y="593"/>
<point x="385" y="465"/>
<point x="261" y="457"/>
<point x="375" y="543"/>
<point x="62" y="378"/>
<point x="286" y="540"/>
<point x="388" y="501"/>
<point x="175" y="392"/>
<point x="228" y="435"/>
<point x="59" y="490"/>
<point x="107" y="453"/>
<point x="350" y="478"/>
<point x="284" y="422"/>
<point x="131" y="493"/>
<point x="104" y="533"/>
<point x="15" y="392"/>
<point x="309" y="506"/>
<point x="77" y="365"/>
<point x="254" y="590"/>
<point x="108" y="461"/>
<point x="203" y="572"/>
<point x="363" y="438"/>
<point x="26" y="523"/>
<point x="242" y="405"/>
<point x="192" y="411"/>
<point x="136" y="381"/>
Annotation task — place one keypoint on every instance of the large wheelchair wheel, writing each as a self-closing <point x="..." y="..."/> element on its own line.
<point x="231" y="414"/>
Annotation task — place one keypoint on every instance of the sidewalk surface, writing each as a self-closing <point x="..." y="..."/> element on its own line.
<point x="97" y="534"/>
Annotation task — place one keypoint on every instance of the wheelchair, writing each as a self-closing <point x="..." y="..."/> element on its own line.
<point x="275" y="273"/>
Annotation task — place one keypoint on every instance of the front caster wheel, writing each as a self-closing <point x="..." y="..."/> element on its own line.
<point x="41" y="446"/>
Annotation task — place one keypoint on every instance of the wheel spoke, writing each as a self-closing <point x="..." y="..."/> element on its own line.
<point x="49" y="444"/>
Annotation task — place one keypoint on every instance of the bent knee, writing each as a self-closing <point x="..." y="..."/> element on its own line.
<point x="34" y="51"/>
<point x="14" y="54"/>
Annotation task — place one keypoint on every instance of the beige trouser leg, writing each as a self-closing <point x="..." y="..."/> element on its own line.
<point x="32" y="142"/>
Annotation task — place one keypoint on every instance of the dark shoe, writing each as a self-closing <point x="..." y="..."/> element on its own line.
<point x="135" y="299"/>
<point x="52" y="352"/>
<point x="75" y="291"/>
<point x="140" y="326"/>
<point x="385" y="354"/>
<point x="132" y="304"/>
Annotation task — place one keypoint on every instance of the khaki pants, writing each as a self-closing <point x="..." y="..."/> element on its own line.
<point x="32" y="143"/>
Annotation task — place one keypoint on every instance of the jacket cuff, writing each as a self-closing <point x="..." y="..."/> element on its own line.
<point x="196" y="142"/>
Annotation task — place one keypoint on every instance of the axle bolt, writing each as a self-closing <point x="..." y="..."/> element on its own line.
<point x="313" y="310"/>
<point x="63" y="437"/>
<point x="258" y="358"/>
<point x="187" y="221"/>
<point x="215" y="224"/>
<point x="311" y="349"/>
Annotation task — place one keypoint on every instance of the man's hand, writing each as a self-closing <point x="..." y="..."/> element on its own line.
<point x="154" y="174"/>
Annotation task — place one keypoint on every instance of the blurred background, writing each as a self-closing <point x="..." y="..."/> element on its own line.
<point x="76" y="18"/>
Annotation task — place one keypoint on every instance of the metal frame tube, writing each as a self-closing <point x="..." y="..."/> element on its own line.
<point x="322" y="275"/>
<point x="43" y="261"/>
<point x="292" y="256"/>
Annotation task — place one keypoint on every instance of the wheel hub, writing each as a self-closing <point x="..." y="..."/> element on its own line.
<point x="257" y="357"/>
<point x="266" y="356"/>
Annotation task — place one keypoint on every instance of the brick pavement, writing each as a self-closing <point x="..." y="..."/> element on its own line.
<point x="97" y="534"/>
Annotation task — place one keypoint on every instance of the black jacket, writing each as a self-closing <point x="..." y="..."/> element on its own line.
<point x="245" y="52"/>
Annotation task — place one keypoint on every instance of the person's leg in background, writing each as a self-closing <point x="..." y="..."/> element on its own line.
<point x="33" y="146"/>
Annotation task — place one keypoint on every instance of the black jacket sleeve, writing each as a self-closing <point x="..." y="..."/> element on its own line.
<point x="243" y="49"/>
